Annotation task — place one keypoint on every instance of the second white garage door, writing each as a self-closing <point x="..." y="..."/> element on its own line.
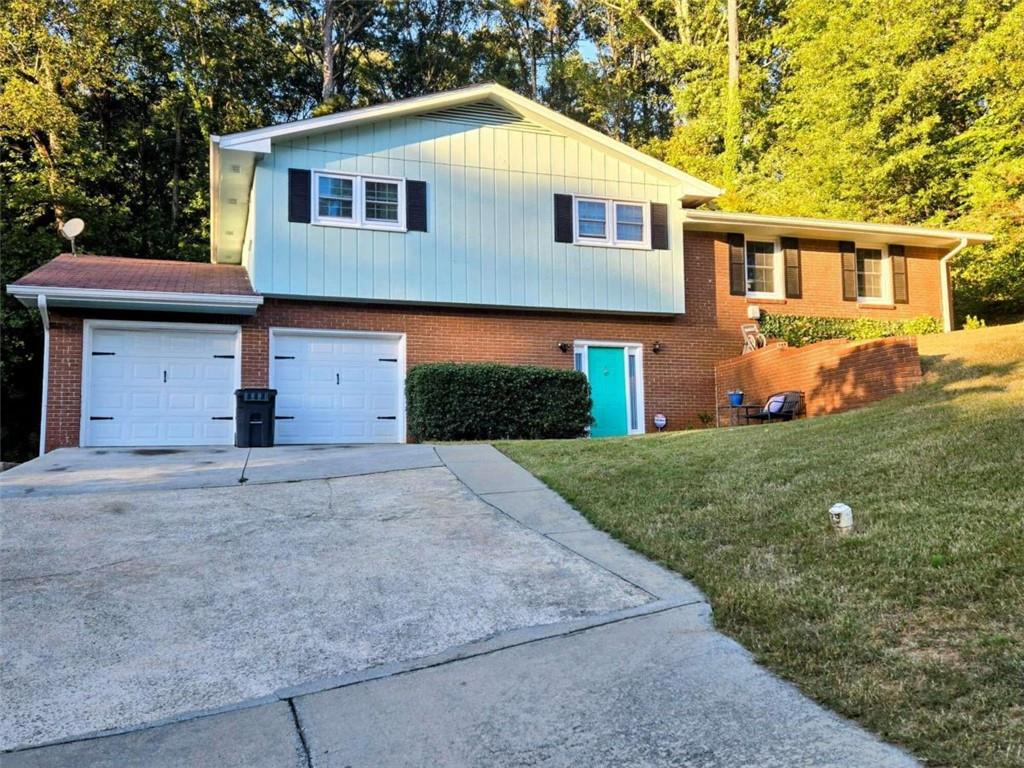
<point x="337" y="387"/>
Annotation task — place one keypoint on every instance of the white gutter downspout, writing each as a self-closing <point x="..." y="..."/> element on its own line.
<point x="947" y="310"/>
<point x="45" y="315"/>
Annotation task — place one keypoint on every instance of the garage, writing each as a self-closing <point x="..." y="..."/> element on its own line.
<point x="159" y="384"/>
<point x="338" y="386"/>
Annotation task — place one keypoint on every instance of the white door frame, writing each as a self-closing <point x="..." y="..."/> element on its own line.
<point x="393" y="336"/>
<point x="89" y="326"/>
<point x="580" y="347"/>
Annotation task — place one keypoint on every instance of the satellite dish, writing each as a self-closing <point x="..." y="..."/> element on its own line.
<point x="72" y="228"/>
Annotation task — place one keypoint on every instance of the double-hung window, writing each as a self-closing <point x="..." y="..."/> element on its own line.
<point x="335" y="198"/>
<point x="761" y="257"/>
<point x="870" y="275"/>
<point x="613" y="223"/>
<point x="367" y="202"/>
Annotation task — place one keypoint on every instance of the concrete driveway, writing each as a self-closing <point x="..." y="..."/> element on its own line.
<point x="382" y="605"/>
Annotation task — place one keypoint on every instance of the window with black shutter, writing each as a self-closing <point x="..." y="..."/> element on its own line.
<point x="737" y="264"/>
<point x="416" y="206"/>
<point x="563" y="218"/>
<point x="791" y="261"/>
<point x="300" y="207"/>
<point x="900" y="289"/>
<point x="848" y="257"/>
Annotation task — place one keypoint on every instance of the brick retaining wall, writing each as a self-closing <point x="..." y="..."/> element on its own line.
<point x="834" y="375"/>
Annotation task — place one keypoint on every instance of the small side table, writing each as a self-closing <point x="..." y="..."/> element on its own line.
<point x="736" y="411"/>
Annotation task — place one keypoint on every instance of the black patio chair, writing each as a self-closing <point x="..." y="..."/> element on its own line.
<point x="782" y="406"/>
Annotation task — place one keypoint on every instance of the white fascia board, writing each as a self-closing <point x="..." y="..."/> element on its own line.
<point x="356" y="116"/>
<point x="165" y="300"/>
<point x="259" y="140"/>
<point x="692" y="187"/>
<point x="722" y="221"/>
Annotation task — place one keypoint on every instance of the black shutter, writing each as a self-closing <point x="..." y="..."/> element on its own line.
<point x="900" y="292"/>
<point x="563" y="218"/>
<point x="300" y="206"/>
<point x="659" y="227"/>
<point x="416" y="206"/>
<point x="848" y="254"/>
<point x="737" y="265"/>
<point x="791" y="254"/>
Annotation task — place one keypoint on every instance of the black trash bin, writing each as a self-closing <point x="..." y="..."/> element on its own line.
<point x="254" y="417"/>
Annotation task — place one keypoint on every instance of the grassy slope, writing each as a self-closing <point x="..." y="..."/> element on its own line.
<point x="914" y="625"/>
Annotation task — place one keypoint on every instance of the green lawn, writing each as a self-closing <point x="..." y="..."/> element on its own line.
<point x="914" y="624"/>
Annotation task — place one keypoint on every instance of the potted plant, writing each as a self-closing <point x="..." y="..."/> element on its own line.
<point x="735" y="397"/>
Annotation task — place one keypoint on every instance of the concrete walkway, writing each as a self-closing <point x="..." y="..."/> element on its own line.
<point x="652" y="685"/>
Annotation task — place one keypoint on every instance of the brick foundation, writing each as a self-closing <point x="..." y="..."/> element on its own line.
<point x="679" y="382"/>
<point x="834" y="376"/>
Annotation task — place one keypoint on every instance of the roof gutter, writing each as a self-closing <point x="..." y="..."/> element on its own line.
<point x="797" y="224"/>
<point x="947" y="300"/>
<point x="167" y="301"/>
<point x="44" y="314"/>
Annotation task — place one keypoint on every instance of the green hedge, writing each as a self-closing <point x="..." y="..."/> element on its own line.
<point x="487" y="401"/>
<point x="799" y="330"/>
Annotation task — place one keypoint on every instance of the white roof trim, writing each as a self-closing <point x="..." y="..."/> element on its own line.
<point x="258" y="140"/>
<point x="722" y="220"/>
<point x="95" y="297"/>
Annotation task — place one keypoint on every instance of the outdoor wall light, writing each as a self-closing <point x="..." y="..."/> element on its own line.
<point x="563" y="346"/>
<point x="656" y="347"/>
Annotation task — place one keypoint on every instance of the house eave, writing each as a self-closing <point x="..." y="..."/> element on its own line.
<point x="827" y="229"/>
<point x="160" y="301"/>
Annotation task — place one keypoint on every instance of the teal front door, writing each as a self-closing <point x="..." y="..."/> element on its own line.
<point x="606" y="369"/>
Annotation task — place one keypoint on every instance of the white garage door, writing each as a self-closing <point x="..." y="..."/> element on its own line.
<point x="335" y="388"/>
<point x="160" y="387"/>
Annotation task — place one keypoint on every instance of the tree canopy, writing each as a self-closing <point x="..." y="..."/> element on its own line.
<point x="906" y="112"/>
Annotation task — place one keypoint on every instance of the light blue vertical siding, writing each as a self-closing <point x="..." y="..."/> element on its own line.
<point x="490" y="218"/>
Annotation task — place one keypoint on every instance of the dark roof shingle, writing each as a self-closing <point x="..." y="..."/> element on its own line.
<point x="116" y="273"/>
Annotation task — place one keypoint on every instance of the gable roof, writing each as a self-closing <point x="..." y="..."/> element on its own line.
<point x="232" y="156"/>
<point x="260" y="139"/>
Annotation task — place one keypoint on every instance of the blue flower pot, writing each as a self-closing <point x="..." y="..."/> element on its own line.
<point x="735" y="399"/>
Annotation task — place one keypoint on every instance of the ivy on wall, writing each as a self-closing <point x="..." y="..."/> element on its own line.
<point x="800" y="330"/>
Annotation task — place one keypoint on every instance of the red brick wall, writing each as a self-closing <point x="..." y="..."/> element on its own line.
<point x="822" y="286"/>
<point x="834" y="375"/>
<point x="64" y="393"/>
<point x="678" y="382"/>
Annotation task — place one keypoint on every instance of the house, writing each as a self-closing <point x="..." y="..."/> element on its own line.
<point x="464" y="226"/>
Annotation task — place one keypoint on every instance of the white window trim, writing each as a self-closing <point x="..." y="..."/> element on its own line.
<point x="89" y="326"/>
<point x="402" y="369"/>
<point x="358" y="220"/>
<point x="887" y="295"/>
<point x="580" y="346"/>
<point x="610" y="214"/>
<point x="778" y="269"/>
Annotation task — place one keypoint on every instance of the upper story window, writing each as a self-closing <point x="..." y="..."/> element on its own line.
<point x="335" y="197"/>
<point x="614" y="223"/>
<point x="381" y="200"/>
<point x="761" y="271"/>
<point x="368" y="202"/>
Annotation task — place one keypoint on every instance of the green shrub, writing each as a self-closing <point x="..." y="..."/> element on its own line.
<point x="800" y="330"/>
<point x="973" y="323"/>
<point x="487" y="401"/>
